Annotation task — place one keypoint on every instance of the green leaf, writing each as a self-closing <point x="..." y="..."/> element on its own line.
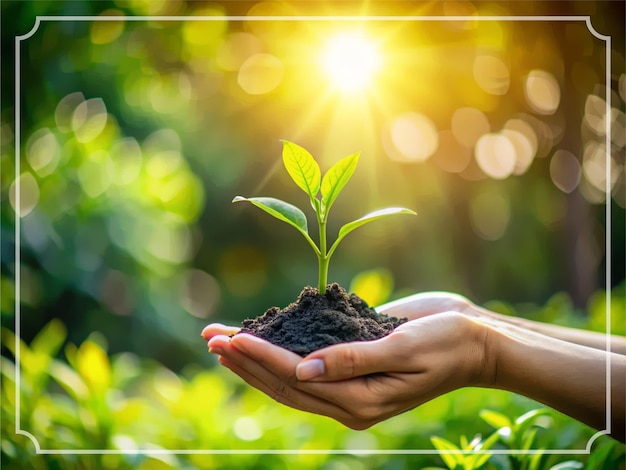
<point x="535" y="460"/>
<point x="443" y="445"/>
<point x="336" y="178"/>
<point x="302" y="168"/>
<point x="280" y="209"/>
<point x="531" y="415"/>
<point x="350" y="226"/>
<point x="599" y="456"/>
<point x="568" y="465"/>
<point x="540" y="417"/>
<point x="528" y="438"/>
<point x="50" y="339"/>
<point x="495" y="419"/>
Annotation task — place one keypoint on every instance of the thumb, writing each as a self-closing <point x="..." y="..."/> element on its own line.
<point x="347" y="360"/>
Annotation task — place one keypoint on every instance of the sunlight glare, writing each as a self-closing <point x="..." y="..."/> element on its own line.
<point x="350" y="60"/>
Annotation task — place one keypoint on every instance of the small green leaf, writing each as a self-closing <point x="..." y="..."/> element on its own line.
<point x="350" y="226"/>
<point x="446" y="451"/>
<point x="495" y="419"/>
<point x="50" y="339"/>
<point x="568" y="465"/>
<point x="302" y="168"/>
<point x="279" y="209"/>
<point x="336" y="178"/>
<point x="532" y="415"/>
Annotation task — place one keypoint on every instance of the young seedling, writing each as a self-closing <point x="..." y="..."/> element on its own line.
<point x="305" y="172"/>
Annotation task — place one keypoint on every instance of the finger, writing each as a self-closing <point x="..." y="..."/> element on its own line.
<point x="218" y="329"/>
<point x="276" y="387"/>
<point x="348" y="360"/>
<point x="218" y="343"/>
<point x="424" y="304"/>
<point x="279" y="360"/>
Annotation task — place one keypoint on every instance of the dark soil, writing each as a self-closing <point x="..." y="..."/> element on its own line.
<point x="315" y="321"/>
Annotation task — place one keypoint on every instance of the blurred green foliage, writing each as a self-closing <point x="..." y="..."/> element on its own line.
<point x="81" y="398"/>
<point x="134" y="136"/>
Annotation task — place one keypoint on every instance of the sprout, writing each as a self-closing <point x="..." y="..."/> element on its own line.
<point x="305" y="172"/>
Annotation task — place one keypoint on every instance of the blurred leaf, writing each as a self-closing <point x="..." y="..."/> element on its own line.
<point x="374" y="286"/>
<point x="597" y="307"/>
<point x="527" y="418"/>
<point x="567" y="465"/>
<point x="69" y="380"/>
<point x="50" y="339"/>
<point x="495" y="419"/>
<point x="528" y="438"/>
<point x="540" y="417"/>
<point x="534" y="461"/>
<point x="443" y="446"/>
<point x="92" y="363"/>
<point x="477" y="460"/>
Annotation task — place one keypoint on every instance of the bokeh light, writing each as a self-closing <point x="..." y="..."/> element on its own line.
<point x="127" y="160"/>
<point x="199" y="293"/>
<point x="89" y="119"/>
<point x="65" y="110"/>
<point x="451" y="155"/>
<point x="495" y="155"/>
<point x="236" y="48"/>
<point x="491" y="74"/>
<point x="412" y="137"/>
<point x="96" y="173"/>
<point x="260" y="73"/>
<point x="524" y="151"/>
<point x="43" y="152"/>
<point x="468" y="125"/>
<point x="247" y="428"/>
<point x="542" y="92"/>
<point x="565" y="170"/>
<point x="490" y="213"/>
<point x="104" y="32"/>
<point x="27" y="189"/>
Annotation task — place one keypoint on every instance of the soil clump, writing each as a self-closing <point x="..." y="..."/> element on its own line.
<point x="315" y="321"/>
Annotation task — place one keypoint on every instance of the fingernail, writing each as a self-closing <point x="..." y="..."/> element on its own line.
<point x="218" y="351"/>
<point x="310" y="369"/>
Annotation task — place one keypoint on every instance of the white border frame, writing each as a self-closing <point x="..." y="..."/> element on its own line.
<point x="40" y="19"/>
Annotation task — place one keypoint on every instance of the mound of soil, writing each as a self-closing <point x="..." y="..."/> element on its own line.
<point x="315" y="321"/>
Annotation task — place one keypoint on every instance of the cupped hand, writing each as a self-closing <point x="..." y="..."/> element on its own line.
<point x="362" y="383"/>
<point x="423" y="304"/>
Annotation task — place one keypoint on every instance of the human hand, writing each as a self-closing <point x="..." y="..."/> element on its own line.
<point x="426" y="303"/>
<point x="362" y="383"/>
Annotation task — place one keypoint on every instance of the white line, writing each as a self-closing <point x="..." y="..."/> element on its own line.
<point x="315" y="18"/>
<point x="18" y="374"/>
<point x="40" y="19"/>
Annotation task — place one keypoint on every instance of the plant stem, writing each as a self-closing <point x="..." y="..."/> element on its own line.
<point x="322" y="257"/>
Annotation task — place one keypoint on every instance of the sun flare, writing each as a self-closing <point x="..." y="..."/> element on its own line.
<point x="350" y="61"/>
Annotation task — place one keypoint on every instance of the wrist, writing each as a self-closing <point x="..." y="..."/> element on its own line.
<point x="484" y="346"/>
